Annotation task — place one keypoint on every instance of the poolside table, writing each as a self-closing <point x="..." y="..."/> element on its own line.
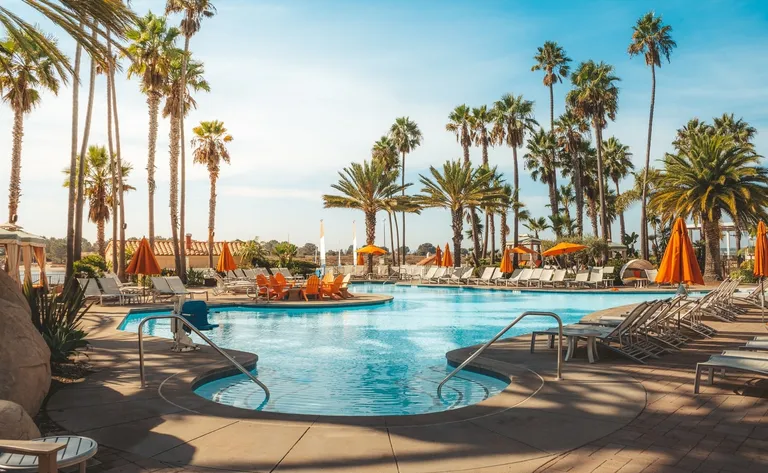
<point x="572" y="335"/>
<point x="76" y="451"/>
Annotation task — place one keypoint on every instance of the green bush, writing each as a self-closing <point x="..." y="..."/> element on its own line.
<point x="302" y="267"/>
<point x="57" y="318"/>
<point x="746" y="272"/>
<point x="195" y="277"/>
<point x="92" y="266"/>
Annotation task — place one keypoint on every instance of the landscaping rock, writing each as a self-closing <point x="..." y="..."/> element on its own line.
<point x="15" y="423"/>
<point x="25" y="361"/>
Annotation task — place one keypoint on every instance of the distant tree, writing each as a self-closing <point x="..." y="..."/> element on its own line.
<point x="404" y="250"/>
<point x="270" y="245"/>
<point x="308" y="249"/>
<point x="285" y="252"/>
<point x="425" y="248"/>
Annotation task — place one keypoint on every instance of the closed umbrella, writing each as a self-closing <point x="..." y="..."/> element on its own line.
<point x="679" y="264"/>
<point x="226" y="262"/>
<point x="506" y="262"/>
<point x="360" y="259"/>
<point x="438" y="257"/>
<point x="143" y="261"/>
<point x="447" y="257"/>
<point x="761" y="262"/>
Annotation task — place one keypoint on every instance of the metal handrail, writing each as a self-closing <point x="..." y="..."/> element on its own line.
<point x="502" y="332"/>
<point x="200" y="334"/>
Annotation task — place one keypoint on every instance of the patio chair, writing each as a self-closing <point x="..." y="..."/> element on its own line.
<point x="558" y="279"/>
<point x="47" y="454"/>
<point x="525" y="275"/>
<point x="546" y="277"/>
<point x="231" y="276"/>
<point x="723" y="362"/>
<point x="290" y="277"/>
<point x="250" y="274"/>
<point x="312" y="289"/>
<point x="177" y="286"/>
<point x="651" y="275"/>
<point x="513" y="276"/>
<point x="608" y="276"/>
<point x="161" y="288"/>
<point x="451" y="276"/>
<point x="110" y="288"/>
<point x="535" y="276"/>
<point x="439" y="273"/>
<point x="429" y="274"/>
<point x="279" y="288"/>
<point x="344" y="289"/>
<point x="595" y="278"/>
<point x="225" y="286"/>
<point x="333" y="291"/>
<point x="485" y="277"/>
<point x="497" y="276"/>
<point x="91" y="291"/>
<point x="466" y="274"/>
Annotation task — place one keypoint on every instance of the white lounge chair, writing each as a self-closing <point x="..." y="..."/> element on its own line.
<point x="558" y="278"/>
<point x="595" y="278"/>
<point x="91" y="291"/>
<point x="453" y="278"/>
<point x="546" y="277"/>
<point x="429" y="274"/>
<point x="535" y="276"/>
<point x="522" y="278"/>
<point x="438" y="274"/>
<point x="721" y="362"/>
<point x="513" y="276"/>
<point x="485" y="277"/>
<point x="110" y="288"/>
<point x="174" y="282"/>
<point x="608" y="276"/>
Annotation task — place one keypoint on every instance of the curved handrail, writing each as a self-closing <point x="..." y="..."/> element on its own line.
<point x="502" y="332"/>
<point x="200" y="334"/>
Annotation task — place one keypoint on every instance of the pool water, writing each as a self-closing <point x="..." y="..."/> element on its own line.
<point x="376" y="360"/>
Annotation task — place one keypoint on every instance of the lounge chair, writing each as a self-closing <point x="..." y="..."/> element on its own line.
<point x="312" y="289"/>
<point x="333" y="291"/>
<point x="545" y="278"/>
<point x="250" y="274"/>
<point x="581" y="278"/>
<point x="498" y="275"/>
<point x="485" y="277"/>
<point x="453" y="278"/>
<point x="535" y="276"/>
<point x="429" y="274"/>
<point x="110" y="288"/>
<point x="651" y="274"/>
<point x="723" y="362"/>
<point x="91" y="291"/>
<point x="595" y="278"/>
<point x="177" y="286"/>
<point x="344" y="289"/>
<point x="558" y="279"/>
<point x="513" y="276"/>
<point x="608" y="276"/>
<point x="439" y="273"/>
<point x="231" y="286"/>
<point x="525" y="275"/>
<point x="290" y="277"/>
<point x="161" y="289"/>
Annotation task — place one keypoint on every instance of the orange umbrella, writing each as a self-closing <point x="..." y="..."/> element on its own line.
<point x="506" y="262"/>
<point x="360" y="259"/>
<point x="226" y="261"/>
<point x="761" y="262"/>
<point x="372" y="250"/>
<point x="564" y="248"/>
<point x="438" y="257"/>
<point x="447" y="257"/>
<point x="521" y="250"/>
<point x="143" y="261"/>
<point x="679" y="264"/>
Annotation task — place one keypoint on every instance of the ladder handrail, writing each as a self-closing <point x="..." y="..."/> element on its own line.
<point x="502" y="332"/>
<point x="200" y="334"/>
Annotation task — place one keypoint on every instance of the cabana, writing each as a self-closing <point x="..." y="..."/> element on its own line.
<point x="21" y="245"/>
<point x="635" y="270"/>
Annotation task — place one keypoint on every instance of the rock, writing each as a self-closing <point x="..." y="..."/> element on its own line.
<point x="15" y="423"/>
<point x="25" y="361"/>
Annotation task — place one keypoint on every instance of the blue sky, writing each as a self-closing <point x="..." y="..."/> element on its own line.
<point x="306" y="87"/>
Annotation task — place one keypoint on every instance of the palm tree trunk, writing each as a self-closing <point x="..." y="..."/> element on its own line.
<point x="493" y="238"/>
<point x="73" y="163"/>
<point x="504" y="230"/>
<point x="153" y="100"/>
<point x="737" y="235"/>
<point x="112" y="161"/>
<point x="370" y="235"/>
<point x="183" y="197"/>
<point x="100" y="237"/>
<point x="515" y="210"/>
<point x="397" y="232"/>
<point x="211" y="219"/>
<point x="601" y="188"/>
<point x="484" y="138"/>
<point x="475" y="236"/>
<point x="392" y="237"/>
<point x="644" y="198"/>
<point x="553" y="197"/>
<point x="174" y="189"/>
<point x="579" y="191"/>
<point x="120" y="190"/>
<point x="14" y="191"/>
<point x="403" y="184"/>
<point x="485" y="235"/>
<point x="712" y="271"/>
<point x="593" y="216"/>
<point x="81" y="171"/>
<point x="458" y="227"/>
<point x="466" y="152"/>
<point x="622" y="228"/>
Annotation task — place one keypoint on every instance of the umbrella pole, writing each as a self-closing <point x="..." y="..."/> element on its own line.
<point x="762" y="302"/>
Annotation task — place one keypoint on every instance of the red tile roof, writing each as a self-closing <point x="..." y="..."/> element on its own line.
<point x="165" y="247"/>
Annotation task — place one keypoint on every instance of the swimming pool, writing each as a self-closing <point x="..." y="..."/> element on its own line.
<point x="376" y="360"/>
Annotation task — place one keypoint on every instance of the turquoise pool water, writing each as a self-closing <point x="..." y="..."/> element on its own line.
<point x="378" y="360"/>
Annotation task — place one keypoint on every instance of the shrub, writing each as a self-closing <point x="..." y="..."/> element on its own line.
<point x="301" y="267"/>
<point x="57" y="317"/>
<point x="746" y="272"/>
<point x="92" y="266"/>
<point x="195" y="277"/>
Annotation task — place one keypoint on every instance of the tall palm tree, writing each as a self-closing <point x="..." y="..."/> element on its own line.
<point x="175" y="93"/>
<point x="512" y="117"/>
<point x="368" y="187"/>
<point x="571" y="131"/>
<point x="456" y="188"/>
<point x="741" y="131"/>
<point x="385" y="151"/>
<point x="460" y="124"/>
<point x="618" y="164"/>
<point x="406" y="135"/>
<point x="119" y="166"/>
<point x="650" y="37"/>
<point x="596" y="97"/>
<point x="194" y="11"/>
<point x="538" y="160"/>
<point x="153" y="48"/>
<point x="210" y="143"/>
<point x="479" y="121"/>
<point x="536" y="225"/>
<point x="28" y="71"/>
<point x="505" y="202"/>
<point x="714" y="175"/>
<point x="99" y="190"/>
<point x="566" y="199"/>
<point x="552" y="59"/>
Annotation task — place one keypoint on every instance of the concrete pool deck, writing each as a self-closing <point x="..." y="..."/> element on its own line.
<point x="611" y="416"/>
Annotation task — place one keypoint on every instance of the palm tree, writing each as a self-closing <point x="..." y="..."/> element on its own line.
<point x="194" y="12"/>
<point x="505" y="202"/>
<point x="153" y="49"/>
<point x="742" y="132"/>
<point x="457" y="188"/>
<point x="536" y="225"/>
<point x="27" y="73"/>
<point x="512" y="117"/>
<point x="552" y="59"/>
<point x="571" y="131"/>
<point x="210" y="144"/>
<point x="566" y="199"/>
<point x="714" y="175"/>
<point x="538" y="160"/>
<point x="98" y="188"/>
<point x="618" y="164"/>
<point x="460" y="124"/>
<point x="174" y="93"/>
<point x="479" y="121"/>
<point x="368" y="187"/>
<point x="596" y="97"/>
<point x="650" y="37"/>
<point x="406" y="135"/>
<point x="385" y="151"/>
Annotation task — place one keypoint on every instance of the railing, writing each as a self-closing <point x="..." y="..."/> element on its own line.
<point x="502" y="332"/>
<point x="199" y="334"/>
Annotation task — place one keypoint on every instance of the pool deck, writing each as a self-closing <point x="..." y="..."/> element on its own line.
<point x="610" y="416"/>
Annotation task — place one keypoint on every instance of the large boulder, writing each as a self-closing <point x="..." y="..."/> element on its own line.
<point x="15" y="423"/>
<point x="25" y="360"/>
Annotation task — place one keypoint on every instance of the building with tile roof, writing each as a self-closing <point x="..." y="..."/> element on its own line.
<point x="197" y="251"/>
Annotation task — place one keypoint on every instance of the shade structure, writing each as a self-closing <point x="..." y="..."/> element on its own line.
<point x="143" y="261"/>
<point x="360" y="259"/>
<point x="761" y="251"/>
<point x="447" y="257"/>
<point x="372" y="250"/>
<point x="521" y="250"/>
<point x="679" y="264"/>
<point x="563" y="249"/>
<point x="438" y="257"/>
<point x="506" y="262"/>
<point x="226" y="262"/>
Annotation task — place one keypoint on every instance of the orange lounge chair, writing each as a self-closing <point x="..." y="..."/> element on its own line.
<point x="279" y="290"/>
<point x="282" y="281"/>
<point x="334" y="290"/>
<point x="264" y="287"/>
<point x="312" y="288"/>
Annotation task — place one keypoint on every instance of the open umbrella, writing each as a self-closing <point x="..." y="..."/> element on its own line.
<point x="563" y="249"/>
<point x="438" y="257"/>
<point x="143" y="261"/>
<point x="447" y="257"/>
<point x="761" y="263"/>
<point x="226" y="262"/>
<point x="372" y="250"/>
<point x="521" y="250"/>
<point x="506" y="262"/>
